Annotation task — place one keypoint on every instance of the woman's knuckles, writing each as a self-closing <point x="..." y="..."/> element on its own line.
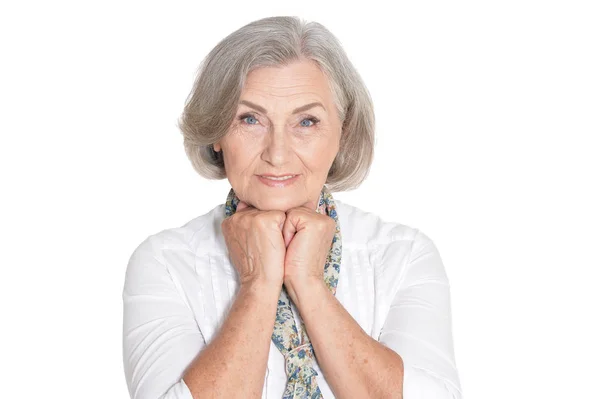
<point x="255" y="241"/>
<point x="266" y="220"/>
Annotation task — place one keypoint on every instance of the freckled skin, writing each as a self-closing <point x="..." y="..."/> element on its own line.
<point x="279" y="142"/>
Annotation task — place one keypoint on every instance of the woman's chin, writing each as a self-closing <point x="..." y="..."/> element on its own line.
<point x="274" y="204"/>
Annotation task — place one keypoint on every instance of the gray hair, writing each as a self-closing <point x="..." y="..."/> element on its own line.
<point x="277" y="41"/>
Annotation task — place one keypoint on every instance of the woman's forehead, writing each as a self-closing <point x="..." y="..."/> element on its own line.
<point x="294" y="78"/>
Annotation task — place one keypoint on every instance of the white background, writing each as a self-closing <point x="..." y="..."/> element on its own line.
<point x="488" y="116"/>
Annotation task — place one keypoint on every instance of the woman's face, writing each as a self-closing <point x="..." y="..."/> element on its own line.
<point x="286" y="124"/>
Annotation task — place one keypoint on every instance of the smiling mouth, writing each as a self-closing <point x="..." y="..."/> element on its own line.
<point x="278" y="178"/>
<point x="278" y="181"/>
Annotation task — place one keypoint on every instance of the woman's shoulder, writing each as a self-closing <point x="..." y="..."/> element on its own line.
<point x="362" y="227"/>
<point x="392" y="244"/>
<point x="198" y="234"/>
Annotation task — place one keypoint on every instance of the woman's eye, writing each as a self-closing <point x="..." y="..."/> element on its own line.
<point x="248" y="119"/>
<point x="313" y="121"/>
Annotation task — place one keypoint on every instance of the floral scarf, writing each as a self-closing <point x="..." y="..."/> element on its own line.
<point x="295" y="346"/>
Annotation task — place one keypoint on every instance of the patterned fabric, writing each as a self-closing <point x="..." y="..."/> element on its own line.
<point x="295" y="346"/>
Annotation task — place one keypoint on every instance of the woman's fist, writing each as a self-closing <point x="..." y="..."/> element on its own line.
<point x="308" y="236"/>
<point x="254" y="239"/>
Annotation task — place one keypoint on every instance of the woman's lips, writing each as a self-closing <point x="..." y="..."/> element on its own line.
<point x="278" y="183"/>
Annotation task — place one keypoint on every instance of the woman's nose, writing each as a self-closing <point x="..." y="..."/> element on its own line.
<point x="277" y="146"/>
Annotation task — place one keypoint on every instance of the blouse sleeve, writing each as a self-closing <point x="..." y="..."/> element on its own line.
<point x="160" y="335"/>
<point x="418" y="326"/>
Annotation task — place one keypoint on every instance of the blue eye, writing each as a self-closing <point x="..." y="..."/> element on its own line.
<point x="244" y="117"/>
<point x="312" y="119"/>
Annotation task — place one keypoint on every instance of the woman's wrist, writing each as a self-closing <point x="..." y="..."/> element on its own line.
<point x="303" y="291"/>
<point x="262" y="289"/>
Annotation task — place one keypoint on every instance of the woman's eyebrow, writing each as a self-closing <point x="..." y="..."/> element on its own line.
<point x="297" y="110"/>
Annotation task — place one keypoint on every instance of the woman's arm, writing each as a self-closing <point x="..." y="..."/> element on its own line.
<point x="419" y="323"/>
<point x="233" y="365"/>
<point x="414" y="355"/>
<point x="164" y="352"/>
<point x="354" y="364"/>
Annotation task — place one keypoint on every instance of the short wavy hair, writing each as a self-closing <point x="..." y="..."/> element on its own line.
<point x="270" y="42"/>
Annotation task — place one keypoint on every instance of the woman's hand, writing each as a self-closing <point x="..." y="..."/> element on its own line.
<point x="307" y="235"/>
<point x="255" y="243"/>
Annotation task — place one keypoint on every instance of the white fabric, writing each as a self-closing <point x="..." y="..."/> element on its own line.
<point x="179" y="285"/>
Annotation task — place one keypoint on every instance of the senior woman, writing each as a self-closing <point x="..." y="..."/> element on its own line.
<point x="283" y="291"/>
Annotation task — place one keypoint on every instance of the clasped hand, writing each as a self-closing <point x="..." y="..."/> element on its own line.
<point x="276" y="247"/>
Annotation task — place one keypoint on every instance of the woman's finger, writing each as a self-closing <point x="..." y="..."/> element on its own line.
<point x="288" y="231"/>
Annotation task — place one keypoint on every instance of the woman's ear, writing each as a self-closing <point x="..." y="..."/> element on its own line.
<point x="217" y="146"/>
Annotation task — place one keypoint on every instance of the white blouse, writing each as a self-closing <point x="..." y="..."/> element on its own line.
<point x="179" y="285"/>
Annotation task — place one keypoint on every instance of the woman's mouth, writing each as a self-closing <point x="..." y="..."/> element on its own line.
<point x="278" y="181"/>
